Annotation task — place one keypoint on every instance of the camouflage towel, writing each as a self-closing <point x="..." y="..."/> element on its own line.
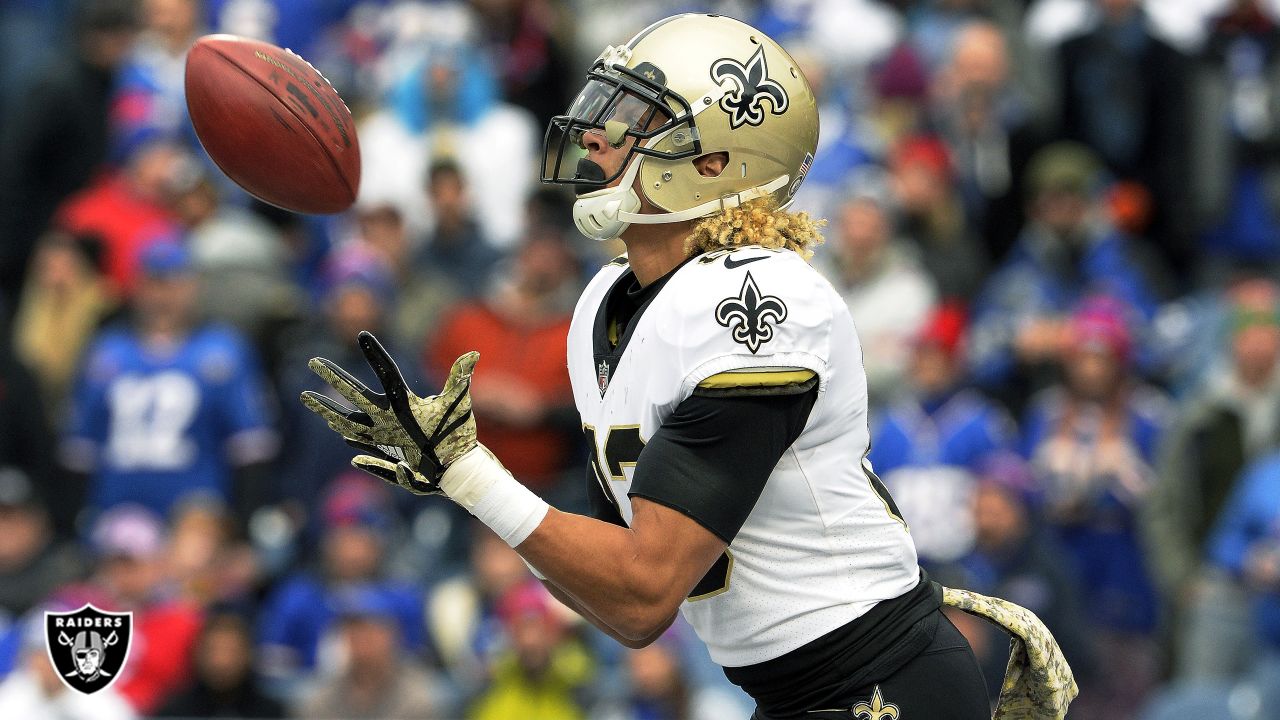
<point x="1038" y="684"/>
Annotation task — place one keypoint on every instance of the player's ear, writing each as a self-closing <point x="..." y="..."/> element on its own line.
<point x="711" y="164"/>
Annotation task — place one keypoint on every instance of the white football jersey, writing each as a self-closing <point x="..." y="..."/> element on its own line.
<point x="821" y="546"/>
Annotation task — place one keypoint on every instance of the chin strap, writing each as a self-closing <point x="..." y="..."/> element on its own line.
<point x="732" y="200"/>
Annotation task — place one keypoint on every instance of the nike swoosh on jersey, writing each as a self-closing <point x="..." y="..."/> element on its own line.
<point x="730" y="263"/>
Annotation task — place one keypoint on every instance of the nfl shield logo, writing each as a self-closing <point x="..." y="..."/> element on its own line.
<point x="88" y="647"/>
<point x="602" y="376"/>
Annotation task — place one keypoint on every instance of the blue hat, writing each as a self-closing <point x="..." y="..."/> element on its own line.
<point x="166" y="258"/>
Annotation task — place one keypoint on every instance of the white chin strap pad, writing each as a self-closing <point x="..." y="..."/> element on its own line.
<point x="597" y="214"/>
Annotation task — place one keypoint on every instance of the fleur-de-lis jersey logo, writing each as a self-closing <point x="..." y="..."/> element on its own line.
<point x="749" y="315"/>
<point x="878" y="709"/>
<point x="751" y="86"/>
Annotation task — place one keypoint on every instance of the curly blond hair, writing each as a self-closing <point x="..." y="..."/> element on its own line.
<point x="758" y="222"/>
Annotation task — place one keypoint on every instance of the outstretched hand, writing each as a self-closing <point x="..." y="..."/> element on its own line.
<point x="404" y="439"/>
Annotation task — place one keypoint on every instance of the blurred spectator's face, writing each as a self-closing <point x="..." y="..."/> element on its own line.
<point x="1063" y="211"/>
<point x="60" y="267"/>
<point x="371" y="642"/>
<point x="979" y="60"/>
<point x="151" y="168"/>
<point x="166" y="303"/>
<point x="999" y="518"/>
<point x="383" y="229"/>
<point x="534" y="637"/>
<point x="448" y="197"/>
<point x="864" y="232"/>
<point x="22" y="535"/>
<point x="108" y="49"/>
<point x="354" y="308"/>
<point x="918" y="187"/>
<point x="1256" y="349"/>
<point x="497" y="567"/>
<point x="932" y="369"/>
<point x="172" y="19"/>
<point x="544" y="264"/>
<point x="225" y="655"/>
<point x="133" y="579"/>
<point x="352" y="553"/>
<point x="654" y="671"/>
<point x="1093" y="374"/>
<point x="196" y="205"/>
<point x="442" y="81"/>
<point x="198" y="534"/>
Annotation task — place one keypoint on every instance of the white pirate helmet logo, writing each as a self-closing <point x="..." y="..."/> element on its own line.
<point x="88" y="647"/>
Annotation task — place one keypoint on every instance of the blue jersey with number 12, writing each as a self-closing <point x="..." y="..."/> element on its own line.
<point x="155" y="424"/>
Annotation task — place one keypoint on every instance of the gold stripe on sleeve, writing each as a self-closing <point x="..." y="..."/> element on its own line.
<point x="759" y="378"/>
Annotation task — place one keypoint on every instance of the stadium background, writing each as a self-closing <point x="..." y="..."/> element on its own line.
<point x="1056" y="223"/>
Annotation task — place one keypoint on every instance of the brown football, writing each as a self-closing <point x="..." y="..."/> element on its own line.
<point x="273" y="124"/>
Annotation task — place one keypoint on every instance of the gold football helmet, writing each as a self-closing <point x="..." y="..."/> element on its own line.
<point x="682" y="88"/>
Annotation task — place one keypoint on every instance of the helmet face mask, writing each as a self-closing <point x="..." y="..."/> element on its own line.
<point x="617" y="103"/>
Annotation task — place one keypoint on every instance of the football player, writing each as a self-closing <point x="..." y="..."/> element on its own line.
<point x="721" y="388"/>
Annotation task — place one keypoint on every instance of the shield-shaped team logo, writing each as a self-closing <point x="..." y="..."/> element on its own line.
<point x="602" y="376"/>
<point x="88" y="647"/>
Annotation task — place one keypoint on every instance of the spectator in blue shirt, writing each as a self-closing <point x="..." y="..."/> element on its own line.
<point x="1092" y="440"/>
<point x="1246" y="543"/>
<point x="928" y="442"/>
<point x="167" y="406"/>
<point x="1015" y="558"/>
<point x="1063" y="254"/>
<point x="297" y="622"/>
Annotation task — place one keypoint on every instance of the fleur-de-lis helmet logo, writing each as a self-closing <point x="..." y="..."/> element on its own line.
<point x="750" y="314"/>
<point x="751" y="87"/>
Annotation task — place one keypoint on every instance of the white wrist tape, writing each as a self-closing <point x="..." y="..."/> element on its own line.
<point x="479" y="483"/>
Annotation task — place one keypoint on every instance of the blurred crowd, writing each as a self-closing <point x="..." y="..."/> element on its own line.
<point x="1056" y="224"/>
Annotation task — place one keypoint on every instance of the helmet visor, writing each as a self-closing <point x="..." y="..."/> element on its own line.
<point x="623" y="111"/>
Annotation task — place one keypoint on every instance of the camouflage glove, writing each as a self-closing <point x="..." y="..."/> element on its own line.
<point x="406" y="439"/>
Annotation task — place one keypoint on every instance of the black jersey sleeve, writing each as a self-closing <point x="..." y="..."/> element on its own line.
<point x="711" y="458"/>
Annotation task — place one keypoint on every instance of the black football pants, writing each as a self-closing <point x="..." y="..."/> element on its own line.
<point x="943" y="682"/>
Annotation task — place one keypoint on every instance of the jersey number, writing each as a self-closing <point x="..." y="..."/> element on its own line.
<point x="622" y="446"/>
<point x="149" y="420"/>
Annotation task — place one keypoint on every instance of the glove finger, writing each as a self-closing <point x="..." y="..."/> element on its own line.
<point x="383" y="366"/>
<point x="381" y="469"/>
<point x="355" y="416"/>
<point x="456" y="390"/>
<point x="355" y="392"/>
<point x="393" y="384"/>
<point x="412" y="481"/>
<point x="390" y="453"/>
<point x="460" y="373"/>
<point x="341" y="420"/>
